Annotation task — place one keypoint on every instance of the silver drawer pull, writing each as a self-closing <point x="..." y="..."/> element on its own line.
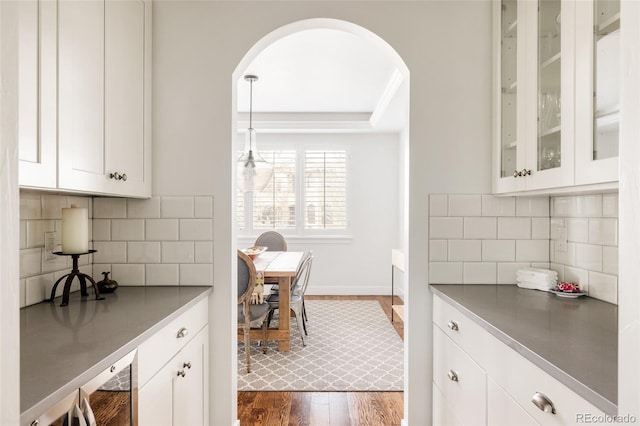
<point x="453" y="376"/>
<point x="453" y="325"/>
<point x="182" y="373"/>
<point x="182" y="332"/>
<point x="541" y="401"/>
<point x="187" y="365"/>
<point x="112" y="369"/>
<point x="35" y="422"/>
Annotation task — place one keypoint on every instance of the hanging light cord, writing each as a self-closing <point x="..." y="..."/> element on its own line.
<point x="250" y="114"/>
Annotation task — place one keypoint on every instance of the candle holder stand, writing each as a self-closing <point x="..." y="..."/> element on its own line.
<point x="75" y="272"/>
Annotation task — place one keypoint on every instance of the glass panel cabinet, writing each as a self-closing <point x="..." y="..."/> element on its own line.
<point x="556" y="93"/>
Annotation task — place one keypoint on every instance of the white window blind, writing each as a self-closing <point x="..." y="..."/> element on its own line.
<point x="275" y="206"/>
<point x="325" y="193"/>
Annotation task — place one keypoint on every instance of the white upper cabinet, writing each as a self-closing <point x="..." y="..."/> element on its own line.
<point x="104" y="97"/>
<point x="555" y="102"/>
<point x="37" y="93"/>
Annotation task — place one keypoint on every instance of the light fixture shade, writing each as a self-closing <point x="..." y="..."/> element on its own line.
<point x="254" y="172"/>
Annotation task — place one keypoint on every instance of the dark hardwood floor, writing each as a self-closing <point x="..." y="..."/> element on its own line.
<point x="326" y="408"/>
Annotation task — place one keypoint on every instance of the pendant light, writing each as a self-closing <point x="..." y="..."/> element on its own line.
<point x="254" y="172"/>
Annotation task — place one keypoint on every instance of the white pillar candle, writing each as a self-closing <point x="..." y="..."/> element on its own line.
<point x="75" y="230"/>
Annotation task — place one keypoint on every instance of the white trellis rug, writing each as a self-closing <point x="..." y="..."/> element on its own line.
<point x="351" y="346"/>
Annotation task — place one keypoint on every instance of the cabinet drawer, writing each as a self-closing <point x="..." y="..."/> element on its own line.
<point x="162" y="346"/>
<point x="460" y="379"/>
<point x="521" y="379"/>
<point x="465" y="332"/>
<point x="502" y="410"/>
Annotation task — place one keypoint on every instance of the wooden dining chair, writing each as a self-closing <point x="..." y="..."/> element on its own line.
<point x="250" y="315"/>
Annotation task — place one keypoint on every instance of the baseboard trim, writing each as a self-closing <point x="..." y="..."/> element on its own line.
<point x="332" y="290"/>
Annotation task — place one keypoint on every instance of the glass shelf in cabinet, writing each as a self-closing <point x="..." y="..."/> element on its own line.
<point x="551" y="131"/>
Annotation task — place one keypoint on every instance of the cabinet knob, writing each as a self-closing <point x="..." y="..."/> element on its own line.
<point x="516" y="173"/>
<point x="453" y="376"/>
<point x="115" y="175"/>
<point x="453" y="325"/>
<point x="187" y="365"/>
<point x="541" y="401"/>
<point x="182" y="332"/>
<point x="124" y="177"/>
<point x="526" y="172"/>
<point x="182" y="373"/>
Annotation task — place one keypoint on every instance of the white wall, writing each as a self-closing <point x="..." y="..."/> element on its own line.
<point x="358" y="264"/>
<point x="446" y="47"/>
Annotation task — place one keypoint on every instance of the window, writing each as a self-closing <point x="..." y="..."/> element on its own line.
<point x="306" y="196"/>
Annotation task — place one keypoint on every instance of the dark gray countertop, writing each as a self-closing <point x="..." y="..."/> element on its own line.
<point x="61" y="348"/>
<point x="574" y="340"/>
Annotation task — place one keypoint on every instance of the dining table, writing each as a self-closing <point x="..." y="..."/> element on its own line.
<point x="281" y="265"/>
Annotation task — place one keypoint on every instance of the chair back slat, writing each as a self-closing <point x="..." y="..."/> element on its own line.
<point x="301" y="280"/>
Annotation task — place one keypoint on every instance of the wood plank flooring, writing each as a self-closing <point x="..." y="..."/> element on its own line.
<point x="326" y="408"/>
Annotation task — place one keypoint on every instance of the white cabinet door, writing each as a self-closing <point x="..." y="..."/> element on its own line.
<point x="179" y="393"/>
<point x="37" y="126"/>
<point x="104" y="93"/>
<point x="190" y="389"/>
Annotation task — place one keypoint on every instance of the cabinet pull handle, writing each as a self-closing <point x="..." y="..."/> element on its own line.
<point x="453" y="325"/>
<point x="35" y="423"/>
<point x="453" y="376"/>
<point x="112" y="369"/>
<point x="526" y="172"/>
<point x="516" y="173"/>
<point x="182" y="373"/>
<point x="182" y="332"/>
<point x="541" y="401"/>
<point x="187" y="365"/>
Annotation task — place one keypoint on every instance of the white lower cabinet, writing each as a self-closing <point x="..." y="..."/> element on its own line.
<point x="478" y="380"/>
<point x="173" y="372"/>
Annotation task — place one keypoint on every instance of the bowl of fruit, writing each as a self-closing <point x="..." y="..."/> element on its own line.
<point x="568" y="290"/>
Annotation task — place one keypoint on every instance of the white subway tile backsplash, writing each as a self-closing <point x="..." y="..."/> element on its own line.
<point x="60" y="263"/>
<point x="23" y="234"/>
<point x="610" y="260"/>
<point x="30" y="206"/>
<point x="36" y="230"/>
<point x="609" y="229"/>
<point x="589" y="256"/>
<point x="52" y="206"/>
<point x="564" y="206"/>
<point x="603" y="287"/>
<point x="498" y="206"/>
<point x="610" y="205"/>
<point x="143" y="252"/>
<point x="128" y="274"/>
<point x="36" y="286"/>
<point x="465" y="250"/>
<point x="163" y="274"/>
<point x="438" y="250"/>
<point x="567" y="257"/>
<point x="514" y="228"/>
<point x="196" y="274"/>
<point x="101" y="229"/>
<point x="110" y="252"/>
<point x="143" y="209"/>
<point x="578" y="230"/>
<point x="30" y="262"/>
<point x="507" y="271"/>
<point x="438" y="205"/>
<point x="578" y="276"/>
<point x="177" y="252"/>
<point x="445" y="272"/>
<point x="559" y="268"/>
<point x="127" y="229"/>
<point x="498" y="250"/>
<point x="540" y="228"/>
<point x="532" y="250"/>
<point x="196" y="229"/>
<point x="479" y="273"/>
<point x="465" y="205"/>
<point x="532" y="206"/>
<point x="480" y="228"/>
<point x="446" y="227"/>
<point x="589" y="205"/>
<point x="162" y="229"/>
<point x="203" y="207"/>
<point x="203" y="252"/>
<point x="177" y="207"/>
<point x="109" y="208"/>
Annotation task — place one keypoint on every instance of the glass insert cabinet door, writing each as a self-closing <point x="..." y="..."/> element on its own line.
<point x="549" y="70"/>
<point x="606" y="55"/>
<point x="508" y="87"/>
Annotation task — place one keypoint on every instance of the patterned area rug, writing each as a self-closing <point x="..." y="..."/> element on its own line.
<point x="351" y="346"/>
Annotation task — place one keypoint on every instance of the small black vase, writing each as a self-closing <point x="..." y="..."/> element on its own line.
<point x="107" y="285"/>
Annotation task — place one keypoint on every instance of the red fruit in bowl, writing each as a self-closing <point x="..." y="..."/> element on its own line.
<point x="568" y="287"/>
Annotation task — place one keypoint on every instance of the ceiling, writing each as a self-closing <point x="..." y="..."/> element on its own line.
<point x="324" y="80"/>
